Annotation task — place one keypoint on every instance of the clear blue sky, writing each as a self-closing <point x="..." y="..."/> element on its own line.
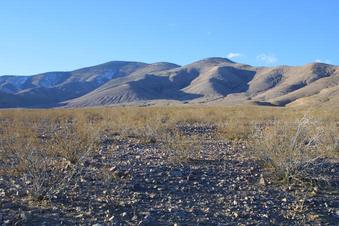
<point x="46" y="35"/>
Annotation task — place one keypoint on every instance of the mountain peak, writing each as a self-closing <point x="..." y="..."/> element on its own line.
<point x="217" y="60"/>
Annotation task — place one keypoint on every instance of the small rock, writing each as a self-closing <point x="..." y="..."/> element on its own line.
<point x="148" y="220"/>
<point x="79" y="215"/>
<point x="2" y="193"/>
<point x="312" y="217"/>
<point x="111" y="218"/>
<point x="262" y="181"/>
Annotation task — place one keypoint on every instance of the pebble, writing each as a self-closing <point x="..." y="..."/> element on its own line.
<point x="262" y="181"/>
<point x="2" y="193"/>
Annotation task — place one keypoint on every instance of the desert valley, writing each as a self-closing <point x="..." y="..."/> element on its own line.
<point x="169" y="113"/>
<point x="214" y="142"/>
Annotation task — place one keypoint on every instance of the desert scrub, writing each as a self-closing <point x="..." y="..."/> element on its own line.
<point x="45" y="155"/>
<point x="73" y="141"/>
<point x="288" y="147"/>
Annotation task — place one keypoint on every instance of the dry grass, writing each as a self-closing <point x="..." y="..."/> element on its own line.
<point x="49" y="146"/>
<point x="46" y="150"/>
<point x="288" y="147"/>
<point x="182" y="148"/>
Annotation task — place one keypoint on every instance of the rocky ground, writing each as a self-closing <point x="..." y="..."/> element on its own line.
<point x="128" y="182"/>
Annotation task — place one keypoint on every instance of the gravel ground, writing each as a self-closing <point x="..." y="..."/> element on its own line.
<point x="130" y="183"/>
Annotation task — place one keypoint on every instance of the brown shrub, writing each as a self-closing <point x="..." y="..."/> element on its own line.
<point x="288" y="147"/>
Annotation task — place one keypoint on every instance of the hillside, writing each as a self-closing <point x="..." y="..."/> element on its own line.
<point x="211" y="80"/>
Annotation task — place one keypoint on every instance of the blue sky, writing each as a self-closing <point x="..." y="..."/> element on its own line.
<point x="42" y="35"/>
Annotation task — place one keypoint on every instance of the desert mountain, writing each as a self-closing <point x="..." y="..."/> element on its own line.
<point x="212" y="80"/>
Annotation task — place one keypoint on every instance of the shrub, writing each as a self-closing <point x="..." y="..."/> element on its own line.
<point x="289" y="147"/>
<point x="45" y="157"/>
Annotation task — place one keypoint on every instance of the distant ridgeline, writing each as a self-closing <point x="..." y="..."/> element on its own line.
<point x="212" y="80"/>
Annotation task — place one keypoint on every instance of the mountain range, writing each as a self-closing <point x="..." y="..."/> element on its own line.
<point x="212" y="80"/>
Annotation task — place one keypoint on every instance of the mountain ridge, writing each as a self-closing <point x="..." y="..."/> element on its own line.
<point x="210" y="80"/>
